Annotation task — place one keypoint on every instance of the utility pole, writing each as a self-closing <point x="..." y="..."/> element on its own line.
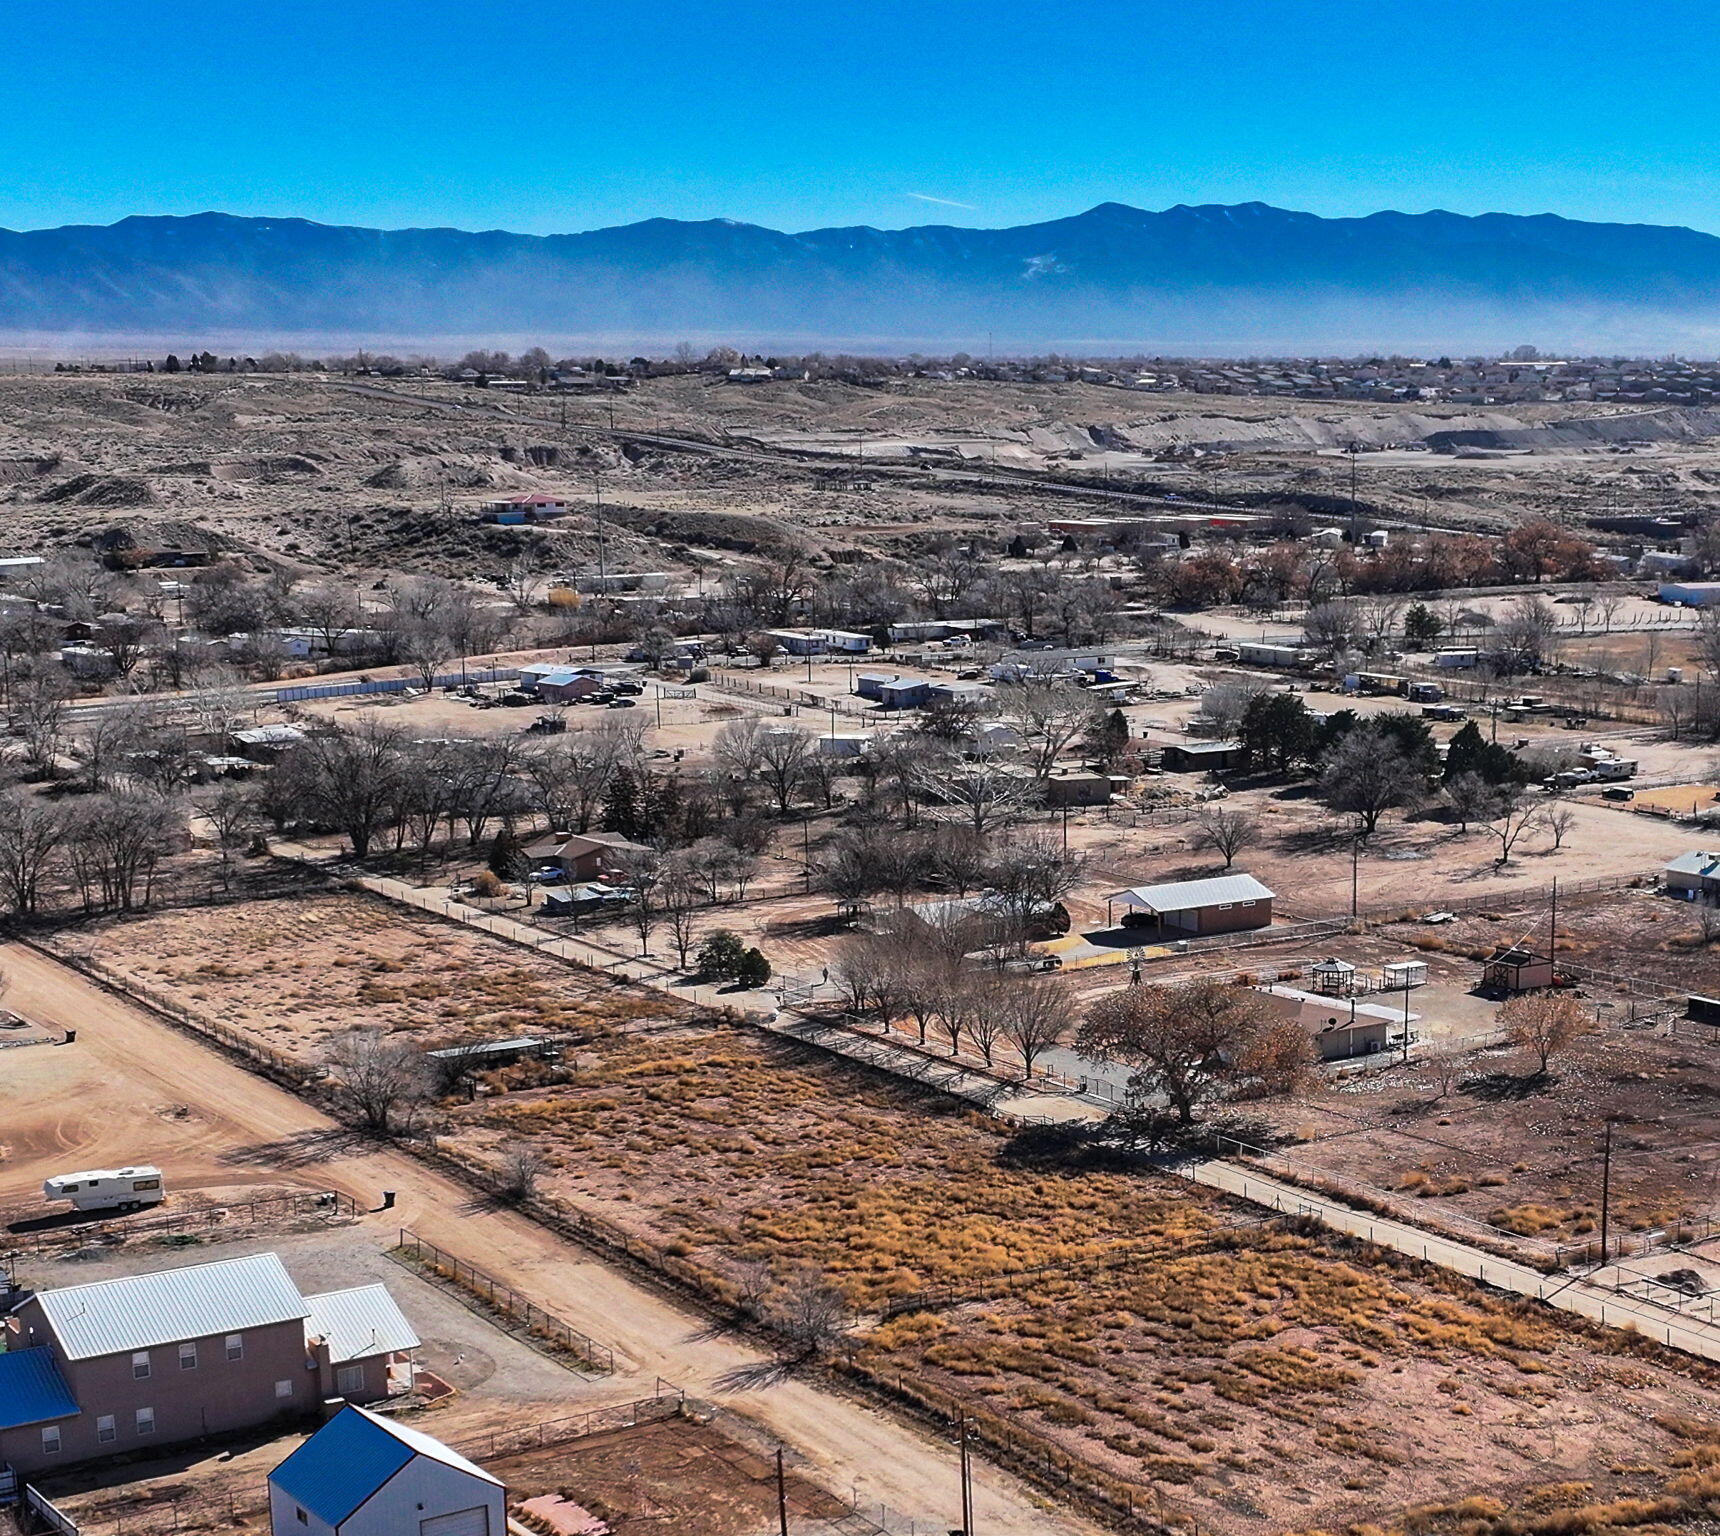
<point x="781" y="1496"/>
<point x="602" y="559"/>
<point x="1606" y="1188"/>
<point x="1355" y="871"/>
<point x="967" y="1483"/>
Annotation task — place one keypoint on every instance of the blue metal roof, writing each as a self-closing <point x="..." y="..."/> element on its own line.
<point x="335" y="1471"/>
<point x="341" y="1466"/>
<point x="32" y="1390"/>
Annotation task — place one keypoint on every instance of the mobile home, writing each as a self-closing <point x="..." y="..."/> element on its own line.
<point x="117" y="1189"/>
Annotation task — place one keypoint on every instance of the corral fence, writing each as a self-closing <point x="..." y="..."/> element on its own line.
<point x="1529" y="895"/>
<point x="194" y="1512"/>
<point x="797" y="698"/>
<point x="667" y="1402"/>
<point x="1368" y="1199"/>
<point x="298" y="693"/>
<point x="327" y="1205"/>
<point x="531" y="1323"/>
<point x="1019" y="1449"/>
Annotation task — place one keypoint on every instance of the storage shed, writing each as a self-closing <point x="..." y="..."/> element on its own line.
<point x="363" y="1475"/>
<point x="1187" y="908"/>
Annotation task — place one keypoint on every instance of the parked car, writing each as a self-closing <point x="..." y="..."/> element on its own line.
<point x="623" y="703"/>
<point x="547" y="874"/>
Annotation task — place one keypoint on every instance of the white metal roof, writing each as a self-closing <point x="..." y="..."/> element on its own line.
<point x="1183" y="895"/>
<point x="1694" y="864"/>
<point x="358" y="1323"/>
<point x="107" y="1317"/>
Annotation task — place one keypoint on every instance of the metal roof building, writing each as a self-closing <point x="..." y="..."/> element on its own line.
<point x="1221" y="904"/>
<point x="359" y="1323"/>
<point x="135" y="1312"/>
<point x="347" y="1468"/>
<point x="1181" y="895"/>
<point x="32" y="1390"/>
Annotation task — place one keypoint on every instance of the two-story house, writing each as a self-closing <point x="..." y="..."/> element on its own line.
<point x="181" y="1354"/>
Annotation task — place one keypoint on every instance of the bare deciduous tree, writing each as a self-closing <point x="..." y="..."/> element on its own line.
<point x="1470" y="798"/>
<point x="1546" y="1024"/>
<point x="1050" y="717"/>
<point x="1037" y="1016"/>
<point x="32" y="839"/>
<point x="1559" y="818"/>
<point x="1513" y="816"/>
<point x="384" y="1079"/>
<point x="1225" y="832"/>
<point x="1186" y="1040"/>
<point x="984" y="793"/>
<point x="806" y="1311"/>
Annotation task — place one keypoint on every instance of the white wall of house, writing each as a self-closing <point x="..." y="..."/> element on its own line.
<point x="423" y="1490"/>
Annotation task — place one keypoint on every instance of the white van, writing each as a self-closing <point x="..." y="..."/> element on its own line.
<point x="116" y="1189"/>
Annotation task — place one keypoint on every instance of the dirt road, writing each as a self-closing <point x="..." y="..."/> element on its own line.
<point x="248" y="1129"/>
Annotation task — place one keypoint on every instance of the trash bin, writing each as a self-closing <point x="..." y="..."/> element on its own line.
<point x="71" y="1036"/>
<point x="388" y="1199"/>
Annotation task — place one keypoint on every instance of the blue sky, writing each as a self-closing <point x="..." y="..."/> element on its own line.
<point x="797" y="113"/>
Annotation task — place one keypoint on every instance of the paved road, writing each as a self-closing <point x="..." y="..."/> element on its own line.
<point x="276" y="1135"/>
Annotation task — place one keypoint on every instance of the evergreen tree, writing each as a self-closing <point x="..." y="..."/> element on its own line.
<point x="1411" y="736"/>
<point x="507" y="860"/>
<point x="754" y="970"/>
<point x="1422" y="627"/>
<point x="1277" y="732"/>
<point x="1471" y="752"/>
<point x="621" y="804"/>
<point x="721" y="956"/>
<point x="1109" y="738"/>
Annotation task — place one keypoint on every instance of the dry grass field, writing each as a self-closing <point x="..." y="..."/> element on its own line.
<point x="1255" y="1378"/>
<point x="294" y="972"/>
<point x="1284" y="1383"/>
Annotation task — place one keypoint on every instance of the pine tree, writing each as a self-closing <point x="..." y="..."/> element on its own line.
<point x="621" y="804"/>
<point x="754" y="970"/>
<point x="1421" y="625"/>
<point x="507" y="860"/>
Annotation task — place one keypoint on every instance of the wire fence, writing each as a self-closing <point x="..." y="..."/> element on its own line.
<point x="523" y="1318"/>
<point x="667" y="1402"/>
<point x="326" y="1205"/>
<point x="275" y="1064"/>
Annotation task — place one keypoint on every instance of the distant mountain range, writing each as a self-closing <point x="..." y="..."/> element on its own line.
<point x="1188" y="279"/>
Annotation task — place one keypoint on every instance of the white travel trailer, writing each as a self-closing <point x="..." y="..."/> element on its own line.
<point x="111" y="1189"/>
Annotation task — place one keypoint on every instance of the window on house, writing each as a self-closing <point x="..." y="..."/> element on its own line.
<point x="51" y="1440"/>
<point x="187" y="1357"/>
<point x="146" y="1421"/>
<point x="349" y="1378"/>
<point x="140" y="1365"/>
<point x="303" y="1518"/>
<point x="283" y="1389"/>
<point x="1224" y="906"/>
<point x="235" y="1346"/>
<point x="106" y="1429"/>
